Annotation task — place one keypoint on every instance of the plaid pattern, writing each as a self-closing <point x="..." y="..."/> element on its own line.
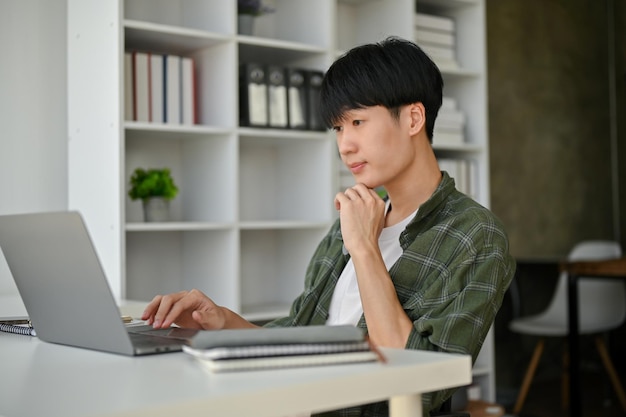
<point x="450" y="279"/>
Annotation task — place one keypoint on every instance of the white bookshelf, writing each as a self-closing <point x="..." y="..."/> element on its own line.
<point x="253" y="203"/>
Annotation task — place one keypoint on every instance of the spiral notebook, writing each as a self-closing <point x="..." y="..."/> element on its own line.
<point x="282" y="361"/>
<point x="252" y="349"/>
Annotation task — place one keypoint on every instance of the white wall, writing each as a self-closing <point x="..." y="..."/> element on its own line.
<point x="33" y="110"/>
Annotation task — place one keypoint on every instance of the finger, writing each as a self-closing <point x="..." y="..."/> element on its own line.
<point x="352" y="193"/>
<point x="365" y="192"/>
<point x="339" y="199"/>
<point x="165" y="306"/>
<point x="182" y="309"/>
<point x="151" y="308"/>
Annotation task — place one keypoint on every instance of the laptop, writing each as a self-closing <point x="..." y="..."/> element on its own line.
<point x="65" y="291"/>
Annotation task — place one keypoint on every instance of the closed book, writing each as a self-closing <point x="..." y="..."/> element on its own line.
<point x="434" y="37"/>
<point x="274" y="362"/>
<point x="207" y="339"/>
<point x="171" y="97"/>
<point x="253" y="105"/>
<point x="296" y="98"/>
<point x="187" y="91"/>
<point x="313" y="81"/>
<point x="444" y="57"/>
<point x="249" y="349"/>
<point x="436" y="52"/>
<point x="434" y="22"/>
<point x="156" y="88"/>
<point x="448" y="137"/>
<point x="450" y="119"/>
<point x="141" y="70"/>
<point x="128" y="86"/>
<point x="255" y="351"/>
<point x="448" y="103"/>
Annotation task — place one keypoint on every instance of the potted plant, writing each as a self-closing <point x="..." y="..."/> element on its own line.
<point x="155" y="188"/>
<point x="247" y="11"/>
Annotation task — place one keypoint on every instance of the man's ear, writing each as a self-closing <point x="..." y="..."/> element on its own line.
<point x="417" y="113"/>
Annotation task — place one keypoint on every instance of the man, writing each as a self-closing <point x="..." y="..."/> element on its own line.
<point x="426" y="269"/>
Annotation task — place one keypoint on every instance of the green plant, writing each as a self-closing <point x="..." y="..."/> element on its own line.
<point x="152" y="183"/>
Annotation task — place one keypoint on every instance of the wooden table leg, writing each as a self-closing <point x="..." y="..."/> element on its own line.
<point x="574" y="348"/>
<point x="405" y="406"/>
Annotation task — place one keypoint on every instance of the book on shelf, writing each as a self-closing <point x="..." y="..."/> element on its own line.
<point x="187" y="96"/>
<point x="128" y="86"/>
<point x="450" y="124"/>
<point x="171" y="92"/>
<point x="450" y="119"/>
<point x="141" y="86"/>
<point x="439" y="53"/>
<point x="426" y="36"/>
<point x="435" y="22"/>
<point x="444" y="137"/>
<point x="448" y="103"/>
<point x="464" y="173"/>
<point x="251" y="349"/>
<point x="156" y="88"/>
<point x="436" y="36"/>
<point x="159" y="88"/>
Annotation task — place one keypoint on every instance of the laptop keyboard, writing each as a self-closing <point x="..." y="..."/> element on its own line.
<point x="145" y="341"/>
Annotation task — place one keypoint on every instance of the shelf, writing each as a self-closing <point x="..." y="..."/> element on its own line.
<point x="253" y="203"/>
<point x="266" y="50"/>
<point x="448" y="4"/>
<point x="280" y="135"/>
<point x="463" y="148"/>
<point x="287" y="225"/>
<point x="448" y="72"/>
<point x="176" y="226"/>
<point x="169" y="131"/>
<point x="154" y="37"/>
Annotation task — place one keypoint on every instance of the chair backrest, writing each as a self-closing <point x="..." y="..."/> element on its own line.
<point x="601" y="302"/>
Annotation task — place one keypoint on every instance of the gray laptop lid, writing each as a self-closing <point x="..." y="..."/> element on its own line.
<point x="62" y="283"/>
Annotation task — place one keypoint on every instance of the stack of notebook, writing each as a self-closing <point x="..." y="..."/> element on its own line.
<point x="251" y="349"/>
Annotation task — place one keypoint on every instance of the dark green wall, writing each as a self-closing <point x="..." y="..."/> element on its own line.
<point x="620" y="88"/>
<point x="549" y="122"/>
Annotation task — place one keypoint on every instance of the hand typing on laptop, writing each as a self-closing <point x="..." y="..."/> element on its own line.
<point x="192" y="310"/>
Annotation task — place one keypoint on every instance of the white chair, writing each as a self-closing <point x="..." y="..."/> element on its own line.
<point x="601" y="306"/>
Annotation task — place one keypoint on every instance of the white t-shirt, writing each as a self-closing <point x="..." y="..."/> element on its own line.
<point x="345" y="306"/>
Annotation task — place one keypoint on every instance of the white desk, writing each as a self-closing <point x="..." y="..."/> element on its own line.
<point x="39" y="378"/>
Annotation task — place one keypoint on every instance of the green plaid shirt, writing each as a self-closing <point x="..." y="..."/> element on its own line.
<point x="451" y="279"/>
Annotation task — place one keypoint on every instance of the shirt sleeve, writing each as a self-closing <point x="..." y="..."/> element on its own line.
<point x="459" y="305"/>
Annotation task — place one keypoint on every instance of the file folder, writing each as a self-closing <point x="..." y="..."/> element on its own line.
<point x="313" y="84"/>
<point x="277" y="97"/>
<point x="296" y="98"/>
<point x="253" y="105"/>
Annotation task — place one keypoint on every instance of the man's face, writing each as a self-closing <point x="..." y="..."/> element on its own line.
<point x="375" y="146"/>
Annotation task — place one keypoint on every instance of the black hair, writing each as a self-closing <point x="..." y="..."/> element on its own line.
<point x="391" y="73"/>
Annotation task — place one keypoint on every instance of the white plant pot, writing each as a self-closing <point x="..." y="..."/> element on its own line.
<point x="156" y="209"/>
<point x="245" y="24"/>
